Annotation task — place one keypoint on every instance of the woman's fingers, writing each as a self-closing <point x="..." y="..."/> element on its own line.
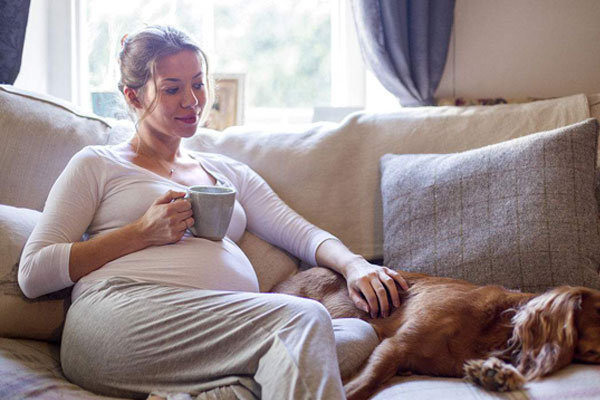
<point x="358" y="300"/>
<point x="382" y="297"/>
<point x="371" y="291"/>
<point x="180" y="204"/>
<point x="380" y="291"/>
<point x="390" y="285"/>
<point x="169" y="196"/>
<point x="397" y="277"/>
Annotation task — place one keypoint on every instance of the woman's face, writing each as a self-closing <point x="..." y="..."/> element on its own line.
<point x="181" y="91"/>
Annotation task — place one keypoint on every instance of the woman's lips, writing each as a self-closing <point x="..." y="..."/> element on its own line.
<point x="191" y="119"/>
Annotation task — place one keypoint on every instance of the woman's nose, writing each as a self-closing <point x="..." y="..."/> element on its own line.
<point x="189" y="99"/>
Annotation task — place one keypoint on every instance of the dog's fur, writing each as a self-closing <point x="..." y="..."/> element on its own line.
<point x="492" y="336"/>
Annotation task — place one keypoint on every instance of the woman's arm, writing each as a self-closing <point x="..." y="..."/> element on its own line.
<point x="54" y="256"/>
<point x="268" y="216"/>
<point x="370" y="286"/>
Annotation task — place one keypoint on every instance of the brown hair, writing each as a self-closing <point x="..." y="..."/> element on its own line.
<point x="142" y="49"/>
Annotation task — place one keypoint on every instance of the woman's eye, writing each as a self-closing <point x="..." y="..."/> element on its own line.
<point x="198" y="86"/>
<point x="171" y="90"/>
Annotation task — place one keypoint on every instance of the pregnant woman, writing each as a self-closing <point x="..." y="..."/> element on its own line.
<point x="156" y="309"/>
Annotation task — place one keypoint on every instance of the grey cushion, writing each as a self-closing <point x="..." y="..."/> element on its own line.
<point x="521" y="213"/>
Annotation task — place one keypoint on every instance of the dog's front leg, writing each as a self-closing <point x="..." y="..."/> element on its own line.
<point x="379" y="368"/>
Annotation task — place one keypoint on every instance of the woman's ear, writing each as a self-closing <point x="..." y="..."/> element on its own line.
<point x="131" y="96"/>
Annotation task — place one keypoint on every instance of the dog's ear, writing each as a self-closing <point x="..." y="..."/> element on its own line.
<point x="545" y="331"/>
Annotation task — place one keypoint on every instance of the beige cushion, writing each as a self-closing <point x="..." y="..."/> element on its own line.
<point x="594" y="104"/>
<point x="330" y="173"/>
<point x="271" y="264"/>
<point x="41" y="318"/>
<point x="522" y="213"/>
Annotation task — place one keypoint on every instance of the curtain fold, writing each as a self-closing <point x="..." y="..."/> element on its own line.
<point x="405" y="43"/>
<point x="13" y="22"/>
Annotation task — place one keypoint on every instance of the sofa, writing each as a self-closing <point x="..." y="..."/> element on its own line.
<point x="331" y="173"/>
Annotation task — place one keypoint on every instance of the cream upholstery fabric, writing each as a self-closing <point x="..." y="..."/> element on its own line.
<point x="39" y="135"/>
<point x="577" y="381"/>
<point x="271" y="264"/>
<point x="330" y="173"/>
<point x="594" y="104"/>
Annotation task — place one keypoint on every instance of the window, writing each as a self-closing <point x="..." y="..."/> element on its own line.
<point x="295" y="56"/>
<point x="283" y="49"/>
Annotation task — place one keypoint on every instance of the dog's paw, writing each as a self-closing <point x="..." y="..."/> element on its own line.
<point x="494" y="374"/>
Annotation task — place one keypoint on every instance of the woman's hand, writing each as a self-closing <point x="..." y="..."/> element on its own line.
<point x="166" y="220"/>
<point x="372" y="287"/>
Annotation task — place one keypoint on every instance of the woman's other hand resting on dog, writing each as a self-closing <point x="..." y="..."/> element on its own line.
<point x="371" y="287"/>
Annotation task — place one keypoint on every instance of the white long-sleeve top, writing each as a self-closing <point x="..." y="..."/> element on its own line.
<point x="100" y="191"/>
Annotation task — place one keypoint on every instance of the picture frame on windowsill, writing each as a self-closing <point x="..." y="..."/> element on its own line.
<point x="228" y="107"/>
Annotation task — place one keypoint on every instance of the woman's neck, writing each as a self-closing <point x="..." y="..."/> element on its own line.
<point x="150" y="145"/>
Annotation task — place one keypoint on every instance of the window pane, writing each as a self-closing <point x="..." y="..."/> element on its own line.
<point x="283" y="47"/>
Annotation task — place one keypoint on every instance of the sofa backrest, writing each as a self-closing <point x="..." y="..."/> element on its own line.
<point x="327" y="172"/>
<point x="330" y="172"/>
<point x="38" y="136"/>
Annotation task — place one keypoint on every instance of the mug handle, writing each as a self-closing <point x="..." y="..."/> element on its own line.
<point x="191" y="228"/>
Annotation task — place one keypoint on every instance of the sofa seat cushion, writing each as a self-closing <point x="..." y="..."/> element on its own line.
<point x="577" y="381"/>
<point x="31" y="369"/>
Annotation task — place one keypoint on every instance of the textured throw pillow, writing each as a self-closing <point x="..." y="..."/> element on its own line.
<point x="521" y="213"/>
<point x="41" y="318"/>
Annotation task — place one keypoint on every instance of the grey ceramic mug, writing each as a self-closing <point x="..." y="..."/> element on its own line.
<point x="212" y="207"/>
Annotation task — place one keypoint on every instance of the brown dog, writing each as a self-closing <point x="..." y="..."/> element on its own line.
<point x="492" y="336"/>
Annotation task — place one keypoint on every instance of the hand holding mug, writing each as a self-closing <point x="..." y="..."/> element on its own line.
<point x="166" y="220"/>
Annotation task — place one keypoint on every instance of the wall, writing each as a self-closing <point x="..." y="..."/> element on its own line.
<point x="520" y="48"/>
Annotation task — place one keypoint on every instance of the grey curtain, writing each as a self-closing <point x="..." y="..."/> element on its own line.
<point x="13" y="21"/>
<point x="405" y="43"/>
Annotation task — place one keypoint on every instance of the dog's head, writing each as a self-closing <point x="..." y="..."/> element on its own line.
<point x="587" y="322"/>
<point x="556" y="327"/>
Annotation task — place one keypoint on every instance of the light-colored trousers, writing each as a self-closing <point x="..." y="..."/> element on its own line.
<point x="126" y="338"/>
